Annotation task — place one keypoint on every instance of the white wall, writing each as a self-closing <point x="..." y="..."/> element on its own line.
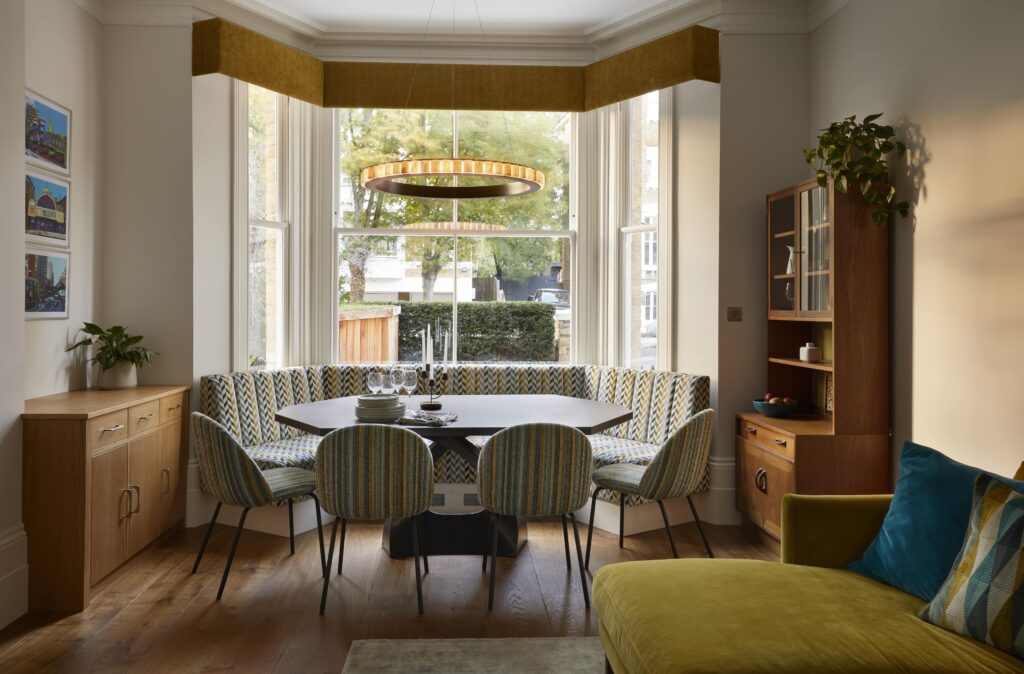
<point x="147" y="192"/>
<point x="70" y="76"/>
<point x="13" y="569"/>
<point x="949" y="73"/>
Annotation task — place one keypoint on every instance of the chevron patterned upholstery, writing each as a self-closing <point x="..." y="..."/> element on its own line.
<point x="245" y="403"/>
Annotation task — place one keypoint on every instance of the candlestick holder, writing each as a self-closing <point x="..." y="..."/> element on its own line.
<point x="433" y="380"/>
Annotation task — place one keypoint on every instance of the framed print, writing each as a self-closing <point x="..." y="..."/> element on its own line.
<point x="47" y="133"/>
<point x="46" y="283"/>
<point x="46" y="209"/>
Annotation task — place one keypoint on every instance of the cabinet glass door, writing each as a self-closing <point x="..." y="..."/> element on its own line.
<point x="782" y="258"/>
<point x="815" y="266"/>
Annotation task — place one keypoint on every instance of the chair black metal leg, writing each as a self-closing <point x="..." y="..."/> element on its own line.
<point x="341" y="544"/>
<point x="494" y="560"/>
<point x="579" y="559"/>
<point x="487" y="540"/>
<point x="590" y="529"/>
<point x="622" y="517"/>
<point x="565" y="536"/>
<point x="206" y="538"/>
<point x="668" y="530"/>
<point x="416" y="563"/>
<point x="320" y="532"/>
<point x="707" y="545"/>
<point x="231" y="555"/>
<point x="327" y="566"/>
<point x="291" y="526"/>
<point x="423" y="543"/>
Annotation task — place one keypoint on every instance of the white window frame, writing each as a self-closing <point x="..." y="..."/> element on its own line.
<point x="664" y="228"/>
<point x="456" y="234"/>
<point x="241" y="222"/>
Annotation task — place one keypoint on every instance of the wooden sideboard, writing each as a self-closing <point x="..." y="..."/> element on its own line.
<point x="103" y="476"/>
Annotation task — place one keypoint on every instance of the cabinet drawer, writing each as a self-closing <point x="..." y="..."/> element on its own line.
<point x="107" y="429"/>
<point x="143" y="417"/>
<point x="172" y="407"/>
<point x="765" y="437"/>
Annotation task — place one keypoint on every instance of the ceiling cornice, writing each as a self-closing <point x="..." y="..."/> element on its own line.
<point x="537" y="48"/>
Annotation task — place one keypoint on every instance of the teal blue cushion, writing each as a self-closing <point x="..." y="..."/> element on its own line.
<point x="926" y="523"/>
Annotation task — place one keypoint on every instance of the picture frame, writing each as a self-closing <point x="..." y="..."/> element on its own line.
<point x="47" y="275"/>
<point x="47" y="133"/>
<point x="47" y="205"/>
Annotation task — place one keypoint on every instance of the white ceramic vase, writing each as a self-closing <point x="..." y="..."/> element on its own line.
<point x="122" y="375"/>
<point x="810" y="353"/>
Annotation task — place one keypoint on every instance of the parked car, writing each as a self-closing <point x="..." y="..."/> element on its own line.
<point x="556" y="296"/>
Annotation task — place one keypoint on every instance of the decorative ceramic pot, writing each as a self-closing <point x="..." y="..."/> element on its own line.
<point x="810" y="353"/>
<point x="791" y="262"/>
<point x="122" y="375"/>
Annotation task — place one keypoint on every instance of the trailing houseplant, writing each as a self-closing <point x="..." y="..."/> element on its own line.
<point x="119" y="354"/>
<point x="853" y="154"/>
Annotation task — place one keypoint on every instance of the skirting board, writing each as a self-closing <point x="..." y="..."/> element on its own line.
<point x="13" y="574"/>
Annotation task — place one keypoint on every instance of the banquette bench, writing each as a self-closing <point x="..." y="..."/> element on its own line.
<point x="246" y="402"/>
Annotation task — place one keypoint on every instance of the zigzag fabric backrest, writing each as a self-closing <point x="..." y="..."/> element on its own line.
<point x="535" y="470"/>
<point x="681" y="464"/>
<point x="373" y="472"/>
<point x="340" y="381"/>
<point x="245" y="402"/>
<point x="691" y="393"/>
<point x="227" y="471"/>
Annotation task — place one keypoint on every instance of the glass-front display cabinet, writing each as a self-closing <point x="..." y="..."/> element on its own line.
<point x="800" y="253"/>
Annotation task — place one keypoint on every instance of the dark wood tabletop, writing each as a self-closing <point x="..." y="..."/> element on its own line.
<point x="478" y="414"/>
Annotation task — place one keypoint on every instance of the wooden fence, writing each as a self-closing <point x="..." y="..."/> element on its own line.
<point x="368" y="334"/>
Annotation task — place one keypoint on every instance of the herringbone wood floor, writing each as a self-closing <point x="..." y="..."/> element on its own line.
<point x="153" y="616"/>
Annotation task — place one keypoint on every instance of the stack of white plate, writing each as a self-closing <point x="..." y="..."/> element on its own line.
<point x="379" y="408"/>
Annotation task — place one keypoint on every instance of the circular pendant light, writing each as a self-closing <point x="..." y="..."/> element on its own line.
<point x="505" y="179"/>
<point x="509" y="179"/>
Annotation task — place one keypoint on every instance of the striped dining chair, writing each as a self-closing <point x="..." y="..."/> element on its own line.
<point x="374" y="472"/>
<point x="231" y="475"/>
<point x="535" y="470"/>
<point x="676" y="471"/>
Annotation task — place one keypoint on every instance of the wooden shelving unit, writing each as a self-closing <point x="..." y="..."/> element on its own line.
<point x="836" y="297"/>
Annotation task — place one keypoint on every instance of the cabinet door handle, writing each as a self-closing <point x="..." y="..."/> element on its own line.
<point x="138" y="493"/>
<point x="751" y="429"/>
<point x="177" y="407"/>
<point x="147" y="417"/>
<point x="780" y="442"/>
<point x="165" y="471"/>
<point x="761" y="480"/>
<point x="113" y="429"/>
<point x="123" y="515"/>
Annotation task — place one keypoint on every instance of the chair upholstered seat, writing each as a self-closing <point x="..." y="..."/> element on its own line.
<point x="288" y="483"/>
<point x="297" y="452"/>
<point x="623" y="477"/>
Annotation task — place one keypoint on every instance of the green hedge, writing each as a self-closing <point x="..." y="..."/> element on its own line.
<point x="488" y="331"/>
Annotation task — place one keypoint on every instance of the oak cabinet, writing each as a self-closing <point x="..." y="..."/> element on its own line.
<point x="103" y="476"/>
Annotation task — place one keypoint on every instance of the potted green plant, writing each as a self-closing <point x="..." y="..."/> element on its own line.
<point x="853" y="153"/>
<point x="119" y="355"/>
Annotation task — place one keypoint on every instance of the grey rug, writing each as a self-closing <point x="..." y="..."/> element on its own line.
<point x="566" y="655"/>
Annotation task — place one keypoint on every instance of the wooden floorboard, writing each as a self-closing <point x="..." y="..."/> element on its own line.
<point x="154" y="616"/>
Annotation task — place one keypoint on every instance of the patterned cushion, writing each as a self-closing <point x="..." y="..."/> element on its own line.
<point x="624" y="477"/>
<point x="983" y="596"/>
<point x="288" y="483"/>
<point x="297" y="452"/>
<point x="373" y="471"/>
<point x="452" y="468"/>
<point x="535" y="470"/>
<point x="609" y="450"/>
<point x="226" y="470"/>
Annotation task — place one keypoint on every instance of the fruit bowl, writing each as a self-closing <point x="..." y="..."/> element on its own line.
<point x="777" y="410"/>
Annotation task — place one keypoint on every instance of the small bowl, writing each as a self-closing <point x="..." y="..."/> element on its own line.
<point x="778" y="411"/>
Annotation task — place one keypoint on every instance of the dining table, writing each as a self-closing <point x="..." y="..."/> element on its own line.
<point x="475" y="416"/>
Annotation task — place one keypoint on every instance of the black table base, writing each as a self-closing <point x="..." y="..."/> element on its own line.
<point x="455" y="534"/>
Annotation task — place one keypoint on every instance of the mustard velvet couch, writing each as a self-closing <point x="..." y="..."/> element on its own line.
<point x="807" y="614"/>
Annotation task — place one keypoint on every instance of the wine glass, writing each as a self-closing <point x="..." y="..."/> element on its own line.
<point x="374" y="383"/>
<point x="410" y="380"/>
<point x="387" y="384"/>
<point x="398" y="377"/>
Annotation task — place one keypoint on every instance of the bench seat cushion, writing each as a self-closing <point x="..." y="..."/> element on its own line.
<point x="297" y="452"/>
<point x="728" y="615"/>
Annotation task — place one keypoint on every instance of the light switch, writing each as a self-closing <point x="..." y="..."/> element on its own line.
<point x="734" y="314"/>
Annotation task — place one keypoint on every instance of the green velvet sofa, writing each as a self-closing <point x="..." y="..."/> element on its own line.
<point x="246" y="402"/>
<point x="807" y="614"/>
